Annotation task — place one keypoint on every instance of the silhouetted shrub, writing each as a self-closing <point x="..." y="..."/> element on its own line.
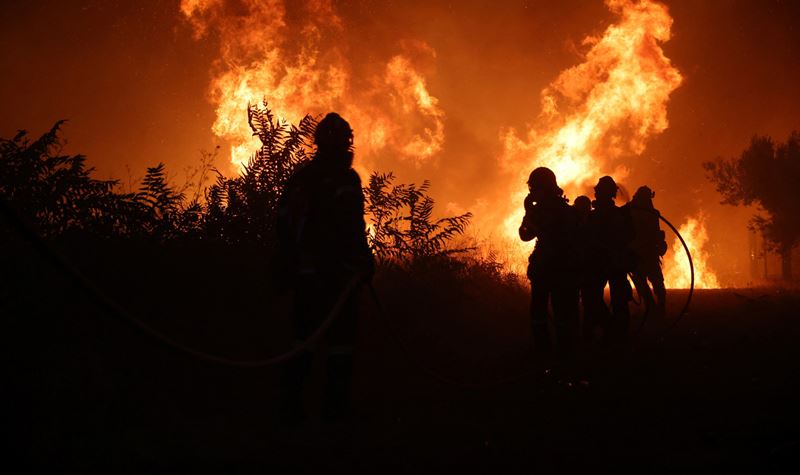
<point x="244" y="209"/>
<point x="58" y="194"/>
<point x="55" y="192"/>
<point x="402" y="227"/>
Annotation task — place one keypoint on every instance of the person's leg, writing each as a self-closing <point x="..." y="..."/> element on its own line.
<point x="305" y="320"/>
<point x="339" y="364"/>
<point x="586" y="324"/>
<point x="338" y="386"/>
<point x="657" y="279"/>
<point x="596" y="312"/>
<point x="620" y="296"/>
<point x="293" y="376"/>
<point x="540" y="334"/>
<point x="566" y="314"/>
<point x="639" y="278"/>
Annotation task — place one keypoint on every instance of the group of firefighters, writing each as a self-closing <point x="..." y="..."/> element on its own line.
<point x="583" y="248"/>
<point x="580" y="248"/>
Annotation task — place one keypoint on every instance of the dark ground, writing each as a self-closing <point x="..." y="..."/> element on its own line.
<point x="84" y="391"/>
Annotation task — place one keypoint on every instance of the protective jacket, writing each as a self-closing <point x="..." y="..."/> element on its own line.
<point x="648" y="240"/>
<point x="612" y="232"/>
<point x="554" y="224"/>
<point x="321" y="226"/>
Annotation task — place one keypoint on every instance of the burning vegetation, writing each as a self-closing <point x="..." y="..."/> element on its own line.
<point x="302" y="68"/>
<point x="677" y="274"/>
<point x="595" y="118"/>
<point x="447" y="325"/>
<point x="598" y="112"/>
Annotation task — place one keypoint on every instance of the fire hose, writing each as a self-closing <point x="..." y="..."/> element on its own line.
<point x="685" y="308"/>
<point x="111" y="306"/>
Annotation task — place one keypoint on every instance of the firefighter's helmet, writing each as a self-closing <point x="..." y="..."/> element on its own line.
<point x="333" y="132"/>
<point x="543" y="180"/>
<point x="606" y="186"/>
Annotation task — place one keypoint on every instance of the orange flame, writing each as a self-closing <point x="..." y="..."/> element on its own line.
<point x="311" y="75"/>
<point x="601" y="110"/>
<point x="595" y="117"/>
<point x="676" y="265"/>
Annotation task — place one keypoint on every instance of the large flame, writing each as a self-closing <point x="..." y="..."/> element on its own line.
<point x="676" y="266"/>
<point x="595" y="118"/>
<point x="303" y="69"/>
<point x="595" y="113"/>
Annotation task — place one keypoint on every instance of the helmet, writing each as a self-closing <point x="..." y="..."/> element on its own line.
<point x="644" y="193"/>
<point x="542" y="179"/>
<point x="333" y="132"/>
<point x="606" y="186"/>
<point x="582" y="204"/>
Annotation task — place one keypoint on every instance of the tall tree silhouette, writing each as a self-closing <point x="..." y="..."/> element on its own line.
<point x="767" y="175"/>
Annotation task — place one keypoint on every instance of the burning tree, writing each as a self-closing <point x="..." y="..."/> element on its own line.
<point x="767" y="175"/>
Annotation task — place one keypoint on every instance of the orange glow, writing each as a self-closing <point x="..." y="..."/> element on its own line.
<point x="595" y="118"/>
<point x="595" y="113"/>
<point x="412" y="93"/>
<point x="676" y="265"/>
<point x="312" y="76"/>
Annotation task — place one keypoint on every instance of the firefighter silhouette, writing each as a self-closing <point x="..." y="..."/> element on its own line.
<point x="609" y="259"/>
<point x="322" y="241"/>
<point x="551" y="266"/>
<point x="649" y="245"/>
<point x="583" y="208"/>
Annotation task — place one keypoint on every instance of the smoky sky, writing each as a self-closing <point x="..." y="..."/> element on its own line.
<point x="133" y="83"/>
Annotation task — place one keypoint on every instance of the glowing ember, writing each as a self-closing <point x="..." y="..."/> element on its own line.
<point x="676" y="266"/>
<point x="596" y="112"/>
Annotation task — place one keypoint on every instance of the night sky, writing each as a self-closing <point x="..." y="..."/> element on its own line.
<point x="134" y="83"/>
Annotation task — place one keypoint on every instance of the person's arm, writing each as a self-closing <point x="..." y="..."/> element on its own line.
<point x="350" y="198"/>
<point x="528" y="229"/>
